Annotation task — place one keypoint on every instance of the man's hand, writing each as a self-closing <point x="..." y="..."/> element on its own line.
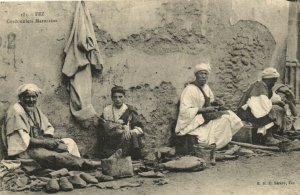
<point x="289" y="97"/>
<point x="62" y="147"/>
<point x="126" y="133"/>
<point x="51" y="143"/>
<point x="279" y="103"/>
<point x="209" y="109"/>
<point x="218" y="102"/>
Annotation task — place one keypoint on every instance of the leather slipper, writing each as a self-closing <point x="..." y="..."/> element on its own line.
<point x="103" y="178"/>
<point x="88" y="178"/>
<point x="65" y="185"/>
<point x="52" y="186"/>
<point x="77" y="181"/>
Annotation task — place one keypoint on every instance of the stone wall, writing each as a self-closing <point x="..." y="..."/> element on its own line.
<point x="149" y="47"/>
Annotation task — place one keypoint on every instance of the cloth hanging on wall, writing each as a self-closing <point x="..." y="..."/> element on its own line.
<point x="82" y="54"/>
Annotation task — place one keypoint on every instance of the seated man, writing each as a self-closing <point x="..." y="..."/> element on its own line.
<point x="257" y="107"/>
<point x="200" y="115"/>
<point x="123" y="129"/>
<point x="28" y="136"/>
<point x="284" y="94"/>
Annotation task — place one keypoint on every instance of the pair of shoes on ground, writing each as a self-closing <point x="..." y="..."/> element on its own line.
<point x="63" y="184"/>
<point x="68" y="184"/>
<point x="81" y="180"/>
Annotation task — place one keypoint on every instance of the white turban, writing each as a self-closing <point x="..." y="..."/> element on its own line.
<point x="269" y="73"/>
<point x="202" y="66"/>
<point x="28" y="87"/>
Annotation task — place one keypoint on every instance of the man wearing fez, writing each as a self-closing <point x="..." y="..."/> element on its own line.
<point x="122" y="127"/>
<point x="28" y="136"/>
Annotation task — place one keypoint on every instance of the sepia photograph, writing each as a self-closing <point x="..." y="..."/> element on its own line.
<point x="150" y="97"/>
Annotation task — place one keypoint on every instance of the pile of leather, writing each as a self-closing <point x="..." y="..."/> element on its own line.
<point x="15" y="179"/>
<point x="49" y="180"/>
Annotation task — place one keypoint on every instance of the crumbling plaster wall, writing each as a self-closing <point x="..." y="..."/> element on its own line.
<point x="150" y="47"/>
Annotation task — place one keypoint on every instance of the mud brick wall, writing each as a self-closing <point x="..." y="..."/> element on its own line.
<point x="149" y="47"/>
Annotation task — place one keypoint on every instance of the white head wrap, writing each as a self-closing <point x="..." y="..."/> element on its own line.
<point x="202" y="66"/>
<point x="269" y="73"/>
<point x="28" y="87"/>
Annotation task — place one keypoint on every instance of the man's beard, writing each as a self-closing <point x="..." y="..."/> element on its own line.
<point x="29" y="108"/>
<point x="201" y="83"/>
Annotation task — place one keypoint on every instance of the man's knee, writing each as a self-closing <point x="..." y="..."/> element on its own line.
<point x="69" y="141"/>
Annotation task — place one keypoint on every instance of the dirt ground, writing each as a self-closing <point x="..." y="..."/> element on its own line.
<point x="255" y="175"/>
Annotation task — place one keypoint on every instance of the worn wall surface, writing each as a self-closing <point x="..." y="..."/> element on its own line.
<point x="292" y="40"/>
<point x="150" y="47"/>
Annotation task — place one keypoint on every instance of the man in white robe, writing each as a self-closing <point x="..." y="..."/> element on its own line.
<point x="28" y="136"/>
<point x="198" y="116"/>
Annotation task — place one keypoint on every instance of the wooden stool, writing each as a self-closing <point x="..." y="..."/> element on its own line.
<point x="245" y="134"/>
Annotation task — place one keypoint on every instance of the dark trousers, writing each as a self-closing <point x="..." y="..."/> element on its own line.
<point x="54" y="160"/>
<point x="131" y="147"/>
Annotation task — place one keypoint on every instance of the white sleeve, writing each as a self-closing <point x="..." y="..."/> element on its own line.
<point x="17" y="142"/>
<point x="275" y="97"/>
<point x="188" y="118"/>
<point x="137" y="130"/>
<point x="211" y="95"/>
<point x="260" y="105"/>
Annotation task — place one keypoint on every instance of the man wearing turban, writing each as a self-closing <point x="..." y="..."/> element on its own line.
<point x="260" y="106"/>
<point x="28" y="136"/>
<point x="201" y="115"/>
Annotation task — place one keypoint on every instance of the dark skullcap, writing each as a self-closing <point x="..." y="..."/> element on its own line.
<point x="117" y="89"/>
